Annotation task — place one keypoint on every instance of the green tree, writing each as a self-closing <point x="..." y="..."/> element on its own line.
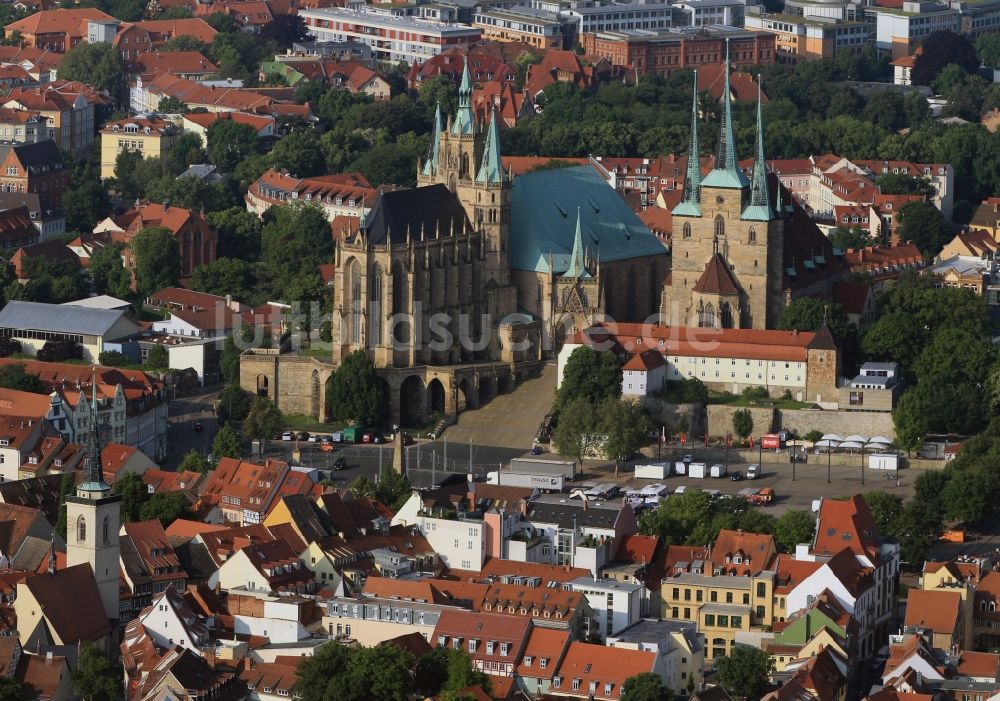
<point x="13" y="690"/>
<point x="114" y="359"/>
<point x="299" y="153"/>
<point x="675" y="519"/>
<point x="354" y="392"/>
<point x="263" y="420"/>
<point x="438" y="90"/>
<point x="134" y="494"/>
<point x="230" y="142"/>
<point x="625" y="427"/>
<point x="924" y="225"/>
<point x="229" y="361"/>
<point x="575" y="428"/>
<point x="885" y="109"/>
<point x="361" y="486"/>
<point x="186" y="151"/>
<point x="56" y="350"/>
<point x="171" y="105"/>
<point x="988" y="48"/>
<point x="296" y="238"/>
<point x="194" y="462"/>
<point x="590" y="375"/>
<point x="794" y="527"/>
<point x="918" y="529"/>
<point x="647" y="686"/>
<point x="158" y="358"/>
<point x="228" y="276"/>
<point x="380" y="672"/>
<point x="14" y="376"/>
<point x="902" y="184"/>
<point x="742" y="423"/>
<point x="968" y="496"/>
<point x="853" y="237"/>
<point x="461" y="674"/>
<point x="886" y="509"/>
<point x="745" y="672"/>
<point x="227" y="444"/>
<point x="323" y="676"/>
<point x="234" y="404"/>
<point x="108" y="272"/>
<point x="393" y="489"/>
<point x="166" y="507"/>
<point x="185" y="42"/>
<point x="85" y="202"/>
<point x="95" y="677"/>
<point x="157" y="260"/>
<point x="239" y="233"/>
<point x="67" y="487"/>
<point x="99" y="65"/>
<point x="938" y="50"/>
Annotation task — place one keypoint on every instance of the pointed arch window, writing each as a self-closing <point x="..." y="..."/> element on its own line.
<point x="81" y="529"/>
<point x="687" y="231"/>
<point x="105" y="529"/>
<point x="720" y="227"/>
<point x="753" y="234"/>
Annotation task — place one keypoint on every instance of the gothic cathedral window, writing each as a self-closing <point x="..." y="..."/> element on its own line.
<point x="720" y="228"/>
<point x="687" y="231"/>
<point x="81" y="529"/>
<point x="105" y="526"/>
<point x="753" y="235"/>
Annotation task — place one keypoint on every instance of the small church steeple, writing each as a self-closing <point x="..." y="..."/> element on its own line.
<point x="464" y="122"/>
<point x="491" y="170"/>
<point x="577" y="265"/>
<point x="93" y="474"/>
<point x="431" y="165"/>
<point x="690" y="204"/>
<point x="759" y="208"/>
<point x="727" y="172"/>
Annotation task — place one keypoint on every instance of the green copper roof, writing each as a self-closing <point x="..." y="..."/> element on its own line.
<point x="577" y="266"/>
<point x="431" y="166"/>
<point x="491" y="170"/>
<point x="727" y="172"/>
<point x="543" y="226"/>
<point x="690" y="204"/>
<point x="759" y="208"/>
<point x="464" y="122"/>
<point x="93" y="475"/>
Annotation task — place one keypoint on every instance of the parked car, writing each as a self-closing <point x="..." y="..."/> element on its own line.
<point x="339" y="464"/>
<point x="303" y="436"/>
<point x="736" y="476"/>
<point x="536" y="450"/>
<point x="314" y="438"/>
<point x="371" y="438"/>
<point x="288" y="436"/>
<point x="326" y="447"/>
<point x="688" y="459"/>
<point x="198" y="428"/>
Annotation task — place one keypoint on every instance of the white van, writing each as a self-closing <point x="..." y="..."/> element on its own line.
<point x="753" y="471"/>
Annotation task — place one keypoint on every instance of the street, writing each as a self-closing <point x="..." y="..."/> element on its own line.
<point x="182" y="438"/>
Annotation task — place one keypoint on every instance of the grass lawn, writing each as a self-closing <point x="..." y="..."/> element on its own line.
<point x="319" y="353"/>
<point x="741" y="401"/>
<point x="302" y="422"/>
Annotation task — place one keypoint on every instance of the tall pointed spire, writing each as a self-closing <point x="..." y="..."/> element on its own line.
<point x="759" y="208"/>
<point x="431" y="166"/>
<point x="727" y="171"/>
<point x="464" y="122"/>
<point x="491" y="170"/>
<point x="577" y="266"/>
<point x="690" y="204"/>
<point x="93" y="475"/>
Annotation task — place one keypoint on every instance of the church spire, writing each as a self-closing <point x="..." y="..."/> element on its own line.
<point x="93" y="475"/>
<point x="577" y="266"/>
<point x="727" y="171"/>
<point x="690" y="204"/>
<point x="431" y="166"/>
<point x="491" y="170"/>
<point x="759" y="208"/>
<point x="464" y="122"/>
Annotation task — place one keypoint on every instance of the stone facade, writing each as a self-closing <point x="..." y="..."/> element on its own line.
<point x="720" y="419"/>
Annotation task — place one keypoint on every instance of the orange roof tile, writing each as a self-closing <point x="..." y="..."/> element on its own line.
<point x="601" y="671"/>
<point x="933" y="609"/>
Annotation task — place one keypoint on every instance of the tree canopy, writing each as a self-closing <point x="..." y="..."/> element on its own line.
<point x="745" y="671"/>
<point x="355" y="393"/>
<point x="157" y="260"/>
<point x="590" y="375"/>
<point x="939" y="49"/>
<point x="99" y="65"/>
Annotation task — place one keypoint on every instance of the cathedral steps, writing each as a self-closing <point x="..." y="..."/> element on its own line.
<point x="510" y="420"/>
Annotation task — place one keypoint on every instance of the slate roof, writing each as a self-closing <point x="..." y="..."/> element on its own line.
<point x="419" y="209"/>
<point x="43" y="154"/>
<point x="569" y="513"/>
<point x="717" y="278"/>
<point x="80" y="617"/>
<point x="58" y="318"/>
<point x="543" y="220"/>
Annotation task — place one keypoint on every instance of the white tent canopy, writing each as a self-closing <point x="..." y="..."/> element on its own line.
<point x="826" y="444"/>
<point x="880" y="439"/>
<point x="855" y="439"/>
<point x="832" y="437"/>
<point x="851" y="445"/>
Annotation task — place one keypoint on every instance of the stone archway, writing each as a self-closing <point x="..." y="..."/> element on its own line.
<point x="262" y="385"/>
<point x="505" y="383"/>
<point x="412" y="406"/>
<point x="435" y="396"/>
<point x="463" y="396"/>
<point x="487" y="389"/>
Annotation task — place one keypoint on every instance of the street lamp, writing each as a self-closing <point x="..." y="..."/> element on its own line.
<point x="829" y="453"/>
<point x="862" y="464"/>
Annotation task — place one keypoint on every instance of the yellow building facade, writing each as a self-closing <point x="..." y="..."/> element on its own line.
<point x="150" y="136"/>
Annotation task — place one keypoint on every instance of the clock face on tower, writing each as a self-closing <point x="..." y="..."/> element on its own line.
<point x="720" y="200"/>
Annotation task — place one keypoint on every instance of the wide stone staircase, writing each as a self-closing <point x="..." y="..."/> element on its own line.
<point x="510" y="420"/>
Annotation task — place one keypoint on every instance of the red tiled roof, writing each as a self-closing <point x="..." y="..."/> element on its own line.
<point x="846" y="523"/>
<point x="933" y="609"/>
<point x="742" y="86"/>
<point x="596" y="667"/>
<point x="852" y="296"/>
<point x="717" y="278"/>
<point x="548" y="644"/>
<point x="756" y="551"/>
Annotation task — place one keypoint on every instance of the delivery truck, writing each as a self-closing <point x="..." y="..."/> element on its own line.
<point x="718" y="471"/>
<point x="698" y="470"/>
<point x="544" y="483"/>
<point x="539" y="466"/>
<point x="653" y="471"/>
<point x="681" y="468"/>
<point x="884" y="461"/>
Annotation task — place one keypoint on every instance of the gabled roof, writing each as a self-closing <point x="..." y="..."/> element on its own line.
<point x="717" y="279"/>
<point x="596" y="667"/>
<point x="61" y="21"/>
<point x="933" y="609"/>
<point x="150" y="64"/>
<point x="420" y="213"/>
<point x="58" y="318"/>
<point x="755" y="551"/>
<point x="846" y="523"/>
<point x="73" y="618"/>
<point x="852" y="296"/>
<point x="548" y="644"/>
<point x="852" y="574"/>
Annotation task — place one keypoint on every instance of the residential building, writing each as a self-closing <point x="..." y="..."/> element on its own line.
<point x="536" y="28"/>
<point x="96" y="330"/>
<point x="858" y="302"/>
<point x="195" y="239"/>
<point x="821" y="678"/>
<point x="131" y="405"/>
<point x="146" y="93"/>
<point x="353" y="76"/>
<point x="345" y="194"/>
<point x="495" y="643"/>
<point x="192" y="65"/>
<point x="135" y="39"/>
<point x="902" y="69"/>
<point x="884" y="263"/>
<point x="69" y="109"/>
<point x="271" y="566"/>
<point x="875" y="388"/>
<point x="899" y="30"/>
<point x="615" y="605"/>
<point x="36" y="169"/>
<point x="943" y="616"/>
<point x="49" y="223"/>
<point x="245" y="492"/>
<point x="149" y="564"/>
<point x="22" y="126"/>
<point x="806" y="38"/>
<point x="169" y="620"/>
<point x="57" y="30"/>
<point x="484" y="67"/>
<point x="582" y="674"/>
<point x="392" y="37"/>
<point x="42" y="65"/>
<point x="16" y="229"/>
<point x="584" y="535"/>
<point x="61" y="608"/>
<point x="152" y="137"/>
<point x="726" y="359"/>
<point x="974" y="242"/>
<point x="678" y="645"/>
<point x="665" y="51"/>
<point x="199" y="122"/>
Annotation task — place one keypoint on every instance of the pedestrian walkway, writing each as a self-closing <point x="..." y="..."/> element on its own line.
<point x="509" y="420"/>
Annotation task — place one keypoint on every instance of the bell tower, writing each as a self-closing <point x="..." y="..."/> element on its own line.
<point x="92" y="520"/>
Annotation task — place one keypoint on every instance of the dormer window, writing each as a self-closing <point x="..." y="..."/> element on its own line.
<point x="489" y="648"/>
<point x="472" y="645"/>
<point x="504" y="649"/>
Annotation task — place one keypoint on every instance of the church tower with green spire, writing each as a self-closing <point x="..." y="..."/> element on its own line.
<point x="93" y="517"/>
<point x="727" y="240"/>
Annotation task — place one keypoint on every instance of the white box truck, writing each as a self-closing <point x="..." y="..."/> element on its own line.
<point x="718" y="470"/>
<point x="538" y="466"/>
<point x="681" y="468"/>
<point x="545" y="483"/>
<point x="653" y="471"/>
<point x="698" y="470"/>
<point x="884" y="461"/>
